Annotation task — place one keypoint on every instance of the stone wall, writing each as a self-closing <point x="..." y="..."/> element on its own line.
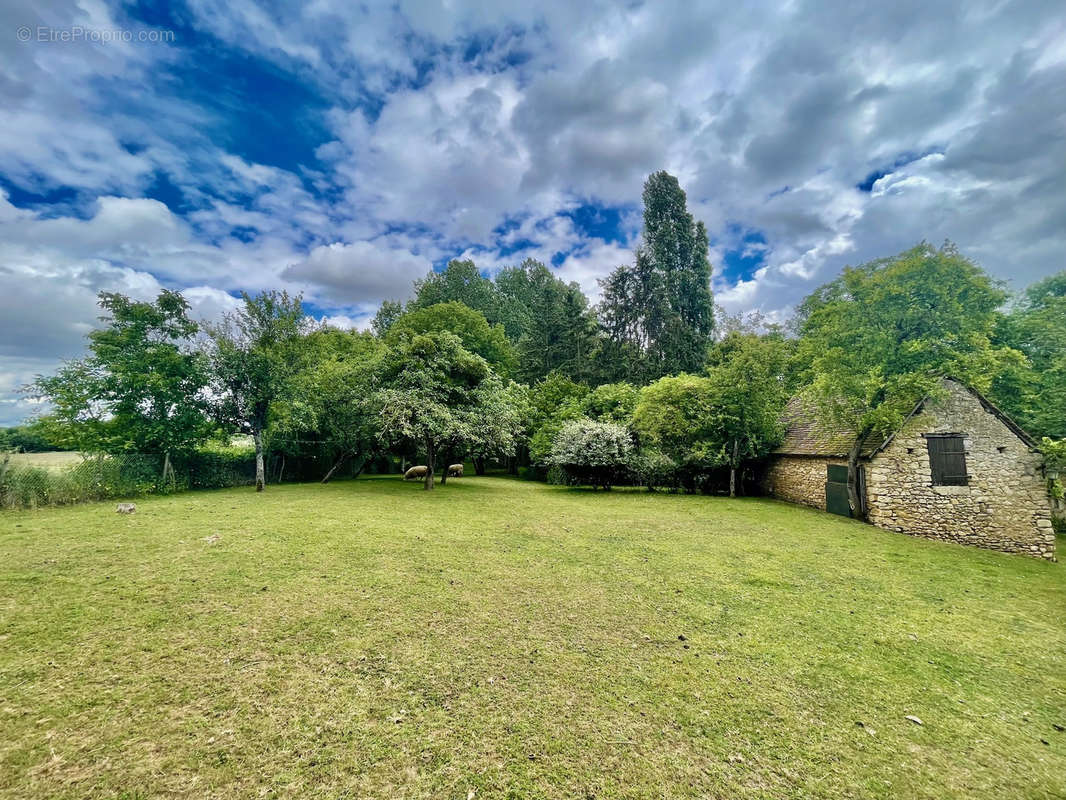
<point x="1004" y="507"/>
<point x="798" y="479"/>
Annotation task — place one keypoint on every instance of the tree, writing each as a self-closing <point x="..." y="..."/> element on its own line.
<point x="748" y="390"/>
<point x="387" y="314"/>
<point x="595" y="453"/>
<point x="677" y="417"/>
<point x="460" y="282"/>
<point x="552" y="402"/>
<point x="661" y="308"/>
<point x="1035" y="393"/>
<point x="488" y="341"/>
<point x="140" y="389"/>
<point x="549" y="320"/>
<point x="879" y="337"/>
<point x="332" y="407"/>
<point x="440" y="396"/>
<point x="254" y="355"/>
<point x="610" y="402"/>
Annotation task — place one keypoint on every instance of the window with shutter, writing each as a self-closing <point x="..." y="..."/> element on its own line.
<point x="947" y="459"/>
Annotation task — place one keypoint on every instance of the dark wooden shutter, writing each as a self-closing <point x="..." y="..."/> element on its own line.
<point x="947" y="459"/>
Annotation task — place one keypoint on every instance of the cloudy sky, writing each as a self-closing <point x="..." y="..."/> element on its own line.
<point x="345" y="149"/>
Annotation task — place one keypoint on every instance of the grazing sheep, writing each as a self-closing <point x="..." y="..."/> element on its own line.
<point x="126" y="508"/>
<point x="415" y="473"/>
<point x="455" y="471"/>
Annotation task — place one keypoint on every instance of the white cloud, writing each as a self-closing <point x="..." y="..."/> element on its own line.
<point x="363" y="273"/>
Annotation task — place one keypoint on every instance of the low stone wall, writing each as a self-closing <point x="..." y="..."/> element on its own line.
<point x="1005" y="505"/>
<point x="798" y="479"/>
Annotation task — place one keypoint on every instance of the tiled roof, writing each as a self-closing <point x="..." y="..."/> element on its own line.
<point x="807" y="433"/>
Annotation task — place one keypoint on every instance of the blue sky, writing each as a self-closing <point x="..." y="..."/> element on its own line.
<point x="343" y="151"/>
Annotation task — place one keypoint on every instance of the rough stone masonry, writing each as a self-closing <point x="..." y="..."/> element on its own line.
<point x="1003" y="506"/>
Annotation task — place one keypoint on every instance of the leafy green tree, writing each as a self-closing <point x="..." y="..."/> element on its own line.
<point x="1035" y="393"/>
<point x="461" y="282"/>
<point x="661" y="309"/>
<point x="254" y="354"/>
<point x="488" y="341"/>
<point x="552" y="402"/>
<point x="332" y="408"/>
<point x="140" y="389"/>
<point x="879" y="337"/>
<point x="749" y="387"/>
<point x="442" y="397"/>
<point x="610" y="402"/>
<point x="32" y="438"/>
<point x="549" y="320"/>
<point x="677" y="416"/>
<point x="595" y="453"/>
<point x="387" y="314"/>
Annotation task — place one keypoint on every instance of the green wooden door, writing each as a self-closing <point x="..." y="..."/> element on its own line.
<point x="836" y="490"/>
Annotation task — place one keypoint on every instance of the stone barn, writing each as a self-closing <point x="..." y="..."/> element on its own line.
<point x="958" y="469"/>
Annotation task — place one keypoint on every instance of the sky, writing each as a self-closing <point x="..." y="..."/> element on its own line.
<point x="343" y="150"/>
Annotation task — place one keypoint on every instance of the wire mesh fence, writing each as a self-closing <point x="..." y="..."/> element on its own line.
<point x="32" y="480"/>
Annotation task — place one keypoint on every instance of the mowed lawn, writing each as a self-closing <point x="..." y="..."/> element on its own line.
<point x="497" y="638"/>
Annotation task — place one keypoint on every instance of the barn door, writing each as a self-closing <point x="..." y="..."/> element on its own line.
<point x="836" y="489"/>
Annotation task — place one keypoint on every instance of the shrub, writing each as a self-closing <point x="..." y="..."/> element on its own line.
<point x="655" y="470"/>
<point x="593" y="453"/>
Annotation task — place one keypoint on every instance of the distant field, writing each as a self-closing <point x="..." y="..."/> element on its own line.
<point x="500" y="639"/>
<point x="48" y="460"/>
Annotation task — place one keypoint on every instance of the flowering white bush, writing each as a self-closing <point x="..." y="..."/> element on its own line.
<point x="595" y="453"/>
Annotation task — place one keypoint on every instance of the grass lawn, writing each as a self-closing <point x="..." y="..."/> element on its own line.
<point x="56" y="460"/>
<point x="504" y="639"/>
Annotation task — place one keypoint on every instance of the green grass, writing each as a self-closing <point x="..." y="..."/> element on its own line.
<point x="508" y="639"/>
<point x="57" y="460"/>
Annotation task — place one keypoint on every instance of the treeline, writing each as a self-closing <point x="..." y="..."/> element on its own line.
<point x="648" y="387"/>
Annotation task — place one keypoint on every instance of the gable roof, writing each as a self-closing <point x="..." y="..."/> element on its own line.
<point x="808" y="434"/>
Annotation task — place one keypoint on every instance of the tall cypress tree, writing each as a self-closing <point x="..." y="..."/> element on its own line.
<point x="661" y="307"/>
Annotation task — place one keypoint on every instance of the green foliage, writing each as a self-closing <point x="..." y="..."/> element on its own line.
<point x="1034" y="393"/>
<point x="141" y="387"/>
<point x="658" y="314"/>
<point x="475" y="333"/>
<point x="677" y="417"/>
<point x="439" y="396"/>
<point x="749" y="386"/>
<point x="610" y="402"/>
<point x="593" y="453"/>
<point x="255" y="352"/>
<point x="386" y="315"/>
<point x="32" y="438"/>
<point x="461" y="282"/>
<point x="878" y="338"/>
<point x="552" y="402"/>
<point x="548" y="319"/>
<point x="332" y="411"/>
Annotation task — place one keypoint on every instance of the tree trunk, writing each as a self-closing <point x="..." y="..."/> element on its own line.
<point x="479" y="465"/>
<point x="340" y="462"/>
<point x="281" y="469"/>
<point x="444" y="472"/>
<point x="363" y="463"/>
<point x="260" y="469"/>
<point x="853" y="476"/>
<point x="429" y="464"/>
<point x="733" y="470"/>
<point x="168" y="469"/>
